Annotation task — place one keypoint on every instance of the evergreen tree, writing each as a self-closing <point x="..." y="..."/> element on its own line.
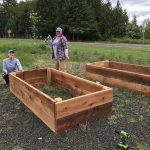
<point x="22" y="24"/>
<point x="85" y="20"/>
<point x="147" y="29"/>
<point x="9" y="15"/>
<point x="120" y="21"/>
<point x="98" y="10"/>
<point x="81" y="19"/>
<point x="133" y="30"/>
<point x="47" y="9"/>
<point x="107" y="22"/>
<point x="2" y="20"/>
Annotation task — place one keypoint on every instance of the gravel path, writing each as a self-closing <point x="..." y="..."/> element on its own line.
<point x="20" y="129"/>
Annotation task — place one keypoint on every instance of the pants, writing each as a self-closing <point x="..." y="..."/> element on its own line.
<point x="6" y="78"/>
<point x="60" y="65"/>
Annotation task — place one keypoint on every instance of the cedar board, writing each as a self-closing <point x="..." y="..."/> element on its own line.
<point x="91" y="101"/>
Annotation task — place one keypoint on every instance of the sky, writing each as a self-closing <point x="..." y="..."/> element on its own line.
<point x="140" y="8"/>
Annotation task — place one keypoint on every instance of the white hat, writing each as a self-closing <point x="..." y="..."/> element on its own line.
<point x="11" y="51"/>
<point x="59" y="29"/>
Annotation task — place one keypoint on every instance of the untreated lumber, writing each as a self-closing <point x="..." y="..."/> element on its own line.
<point x="91" y="100"/>
<point x="88" y="115"/>
<point x="119" y="75"/>
<point x="39" y="103"/>
<point x="77" y="104"/>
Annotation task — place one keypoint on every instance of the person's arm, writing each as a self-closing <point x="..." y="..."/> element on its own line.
<point x="19" y="65"/>
<point x="49" y="40"/>
<point x="65" y="45"/>
<point x="66" y="53"/>
<point x="4" y="67"/>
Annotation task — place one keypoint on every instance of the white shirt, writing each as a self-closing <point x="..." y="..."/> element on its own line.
<point x="55" y="46"/>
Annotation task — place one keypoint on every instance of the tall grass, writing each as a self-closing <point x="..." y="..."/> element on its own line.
<point x="87" y="52"/>
<point x="34" y="53"/>
<point x="29" y="52"/>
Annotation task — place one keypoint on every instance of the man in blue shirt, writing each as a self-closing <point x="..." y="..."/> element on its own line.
<point x="10" y="64"/>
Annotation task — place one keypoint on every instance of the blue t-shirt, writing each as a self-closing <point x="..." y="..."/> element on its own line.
<point x="11" y="65"/>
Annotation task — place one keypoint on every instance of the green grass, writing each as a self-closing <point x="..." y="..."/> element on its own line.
<point x="55" y="92"/>
<point x="130" y="110"/>
<point x="129" y="40"/>
<point x="34" y="53"/>
<point x="95" y="52"/>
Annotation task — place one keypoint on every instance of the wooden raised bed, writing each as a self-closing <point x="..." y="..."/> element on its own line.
<point x="131" y="76"/>
<point x="91" y="100"/>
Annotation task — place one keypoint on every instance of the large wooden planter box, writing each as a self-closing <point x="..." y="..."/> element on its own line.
<point x="131" y="76"/>
<point x="91" y="100"/>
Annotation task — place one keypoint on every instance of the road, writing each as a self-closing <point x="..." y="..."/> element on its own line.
<point x="126" y="45"/>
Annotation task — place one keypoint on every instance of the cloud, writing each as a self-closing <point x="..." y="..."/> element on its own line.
<point x="140" y="8"/>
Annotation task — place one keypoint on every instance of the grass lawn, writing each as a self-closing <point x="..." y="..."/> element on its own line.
<point x="20" y="129"/>
<point x="129" y="40"/>
<point x="34" y="53"/>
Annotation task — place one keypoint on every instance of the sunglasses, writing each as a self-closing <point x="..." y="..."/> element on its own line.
<point x="57" y="31"/>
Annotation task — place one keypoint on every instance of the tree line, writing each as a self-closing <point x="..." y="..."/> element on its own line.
<point x="80" y="20"/>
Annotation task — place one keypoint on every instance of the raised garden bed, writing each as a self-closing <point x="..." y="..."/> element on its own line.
<point x="131" y="76"/>
<point x="90" y="100"/>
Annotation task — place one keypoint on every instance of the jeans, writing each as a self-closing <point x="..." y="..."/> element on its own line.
<point x="6" y="78"/>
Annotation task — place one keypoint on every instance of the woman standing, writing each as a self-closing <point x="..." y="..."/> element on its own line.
<point x="10" y="64"/>
<point x="59" y="49"/>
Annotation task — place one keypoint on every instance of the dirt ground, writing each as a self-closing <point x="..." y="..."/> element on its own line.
<point x="20" y="129"/>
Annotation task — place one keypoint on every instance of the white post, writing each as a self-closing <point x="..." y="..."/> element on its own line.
<point x="143" y="35"/>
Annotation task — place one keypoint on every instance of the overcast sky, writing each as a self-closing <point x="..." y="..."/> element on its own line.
<point x="141" y="8"/>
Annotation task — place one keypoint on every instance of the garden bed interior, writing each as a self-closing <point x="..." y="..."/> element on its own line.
<point x="131" y="76"/>
<point x="86" y="100"/>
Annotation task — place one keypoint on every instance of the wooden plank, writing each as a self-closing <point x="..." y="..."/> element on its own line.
<point x="63" y="78"/>
<point x="37" y="81"/>
<point x="48" y="75"/>
<point x="119" y="83"/>
<point x="71" y="81"/>
<point x="28" y="75"/>
<point x="82" y="117"/>
<point x="42" y="105"/>
<point x="81" y="103"/>
<point x="100" y="64"/>
<point x="118" y="74"/>
<point x="130" y="67"/>
<point x="75" y="91"/>
<point x="19" y="74"/>
<point x="57" y="114"/>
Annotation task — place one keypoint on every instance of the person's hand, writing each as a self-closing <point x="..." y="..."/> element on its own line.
<point x="49" y="37"/>
<point x="20" y="70"/>
<point x="67" y="57"/>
